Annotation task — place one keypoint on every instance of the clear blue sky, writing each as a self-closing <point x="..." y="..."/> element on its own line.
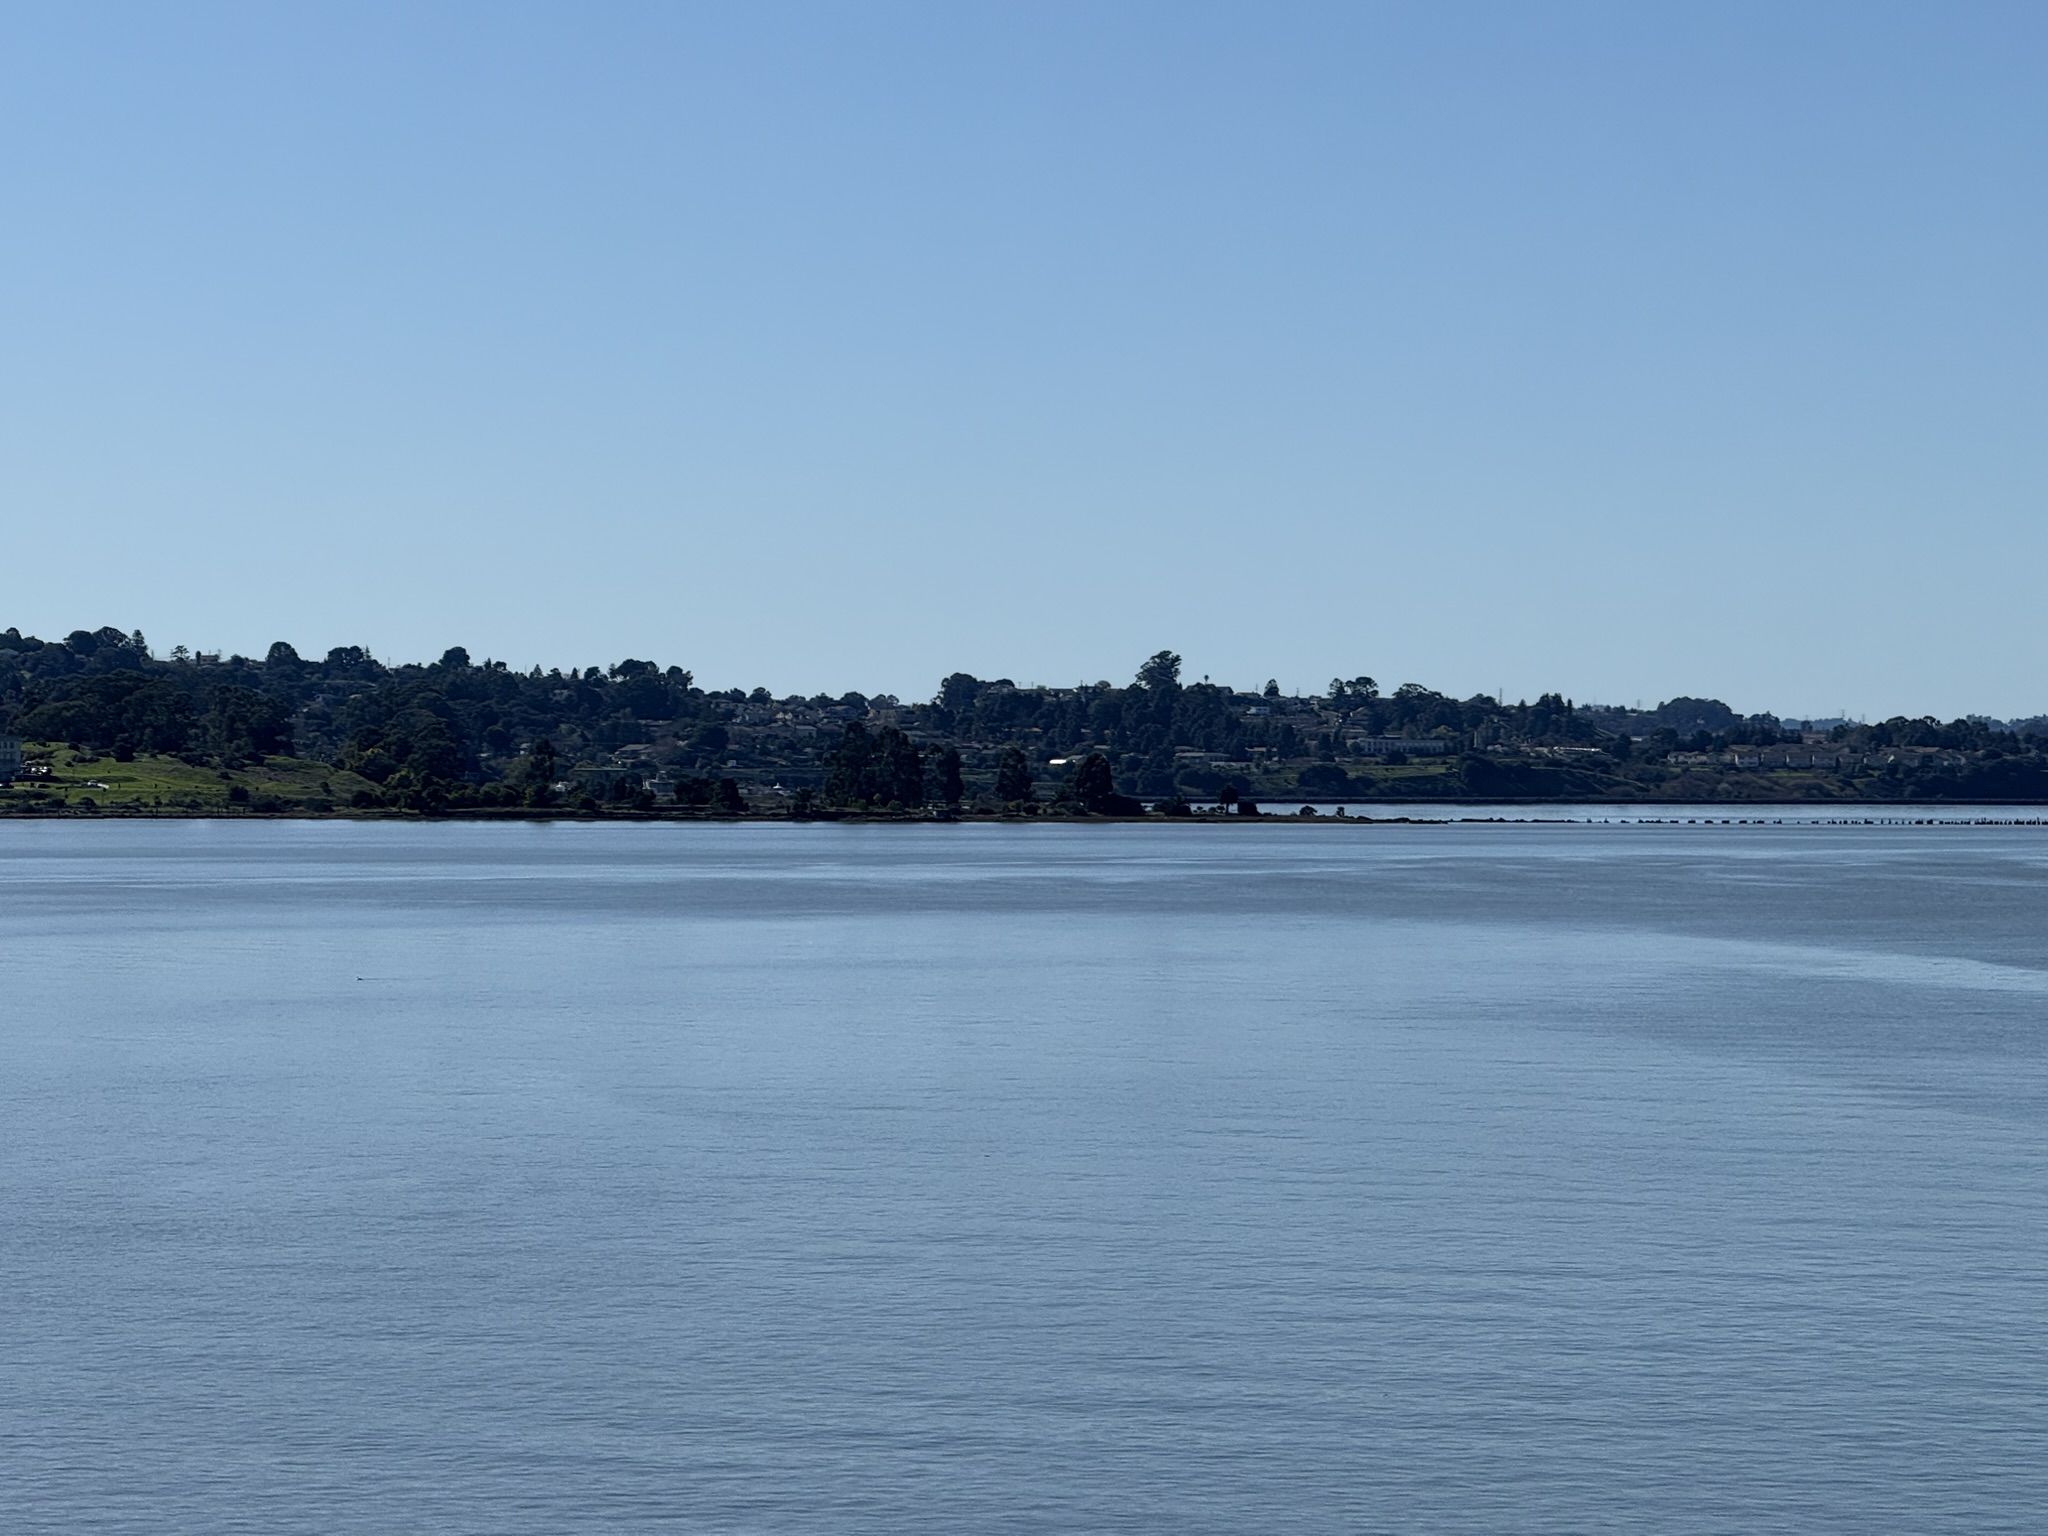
<point x="1626" y="350"/>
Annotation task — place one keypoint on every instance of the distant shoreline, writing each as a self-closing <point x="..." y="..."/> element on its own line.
<point x="100" y="717"/>
<point x="1644" y="812"/>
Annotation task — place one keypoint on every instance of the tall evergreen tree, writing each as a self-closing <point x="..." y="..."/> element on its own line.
<point x="952" y="789"/>
<point x="1013" y="777"/>
<point x="850" y="768"/>
<point x="1094" y="785"/>
<point x="899" y="769"/>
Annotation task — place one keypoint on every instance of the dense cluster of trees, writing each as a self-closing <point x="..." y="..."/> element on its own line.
<point x="124" y="712"/>
<point x="435" y="729"/>
<point x="460" y="733"/>
<point x="883" y="769"/>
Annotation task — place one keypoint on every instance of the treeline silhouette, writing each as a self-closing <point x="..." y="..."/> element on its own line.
<point x="458" y="733"/>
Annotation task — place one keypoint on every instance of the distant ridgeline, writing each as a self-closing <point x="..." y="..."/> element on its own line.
<point x="103" y="723"/>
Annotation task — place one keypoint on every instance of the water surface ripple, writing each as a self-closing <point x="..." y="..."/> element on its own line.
<point x="1463" y="1178"/>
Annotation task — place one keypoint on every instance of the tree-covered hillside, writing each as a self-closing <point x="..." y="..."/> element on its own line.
<point x="459" y="734"/>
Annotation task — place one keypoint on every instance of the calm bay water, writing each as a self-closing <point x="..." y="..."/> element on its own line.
<point x="1455" y="1178"/>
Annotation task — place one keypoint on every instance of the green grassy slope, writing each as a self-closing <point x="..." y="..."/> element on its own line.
<point x="150" y="783"/>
